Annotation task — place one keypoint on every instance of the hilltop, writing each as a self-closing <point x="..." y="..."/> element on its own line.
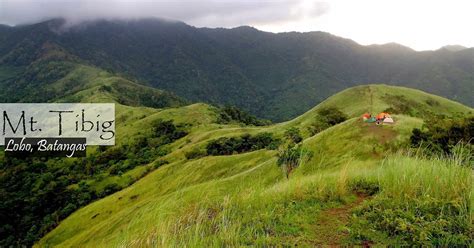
<point x="190" y="198"/>
<point x="454" y="48"/>
<point x="274" y="76"/>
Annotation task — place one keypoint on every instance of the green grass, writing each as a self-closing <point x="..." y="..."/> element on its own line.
<point x="245" y="199"/>
<point x="90" y="84"/>
<point x="422" y="201"/>
<point x="377" y="98"/>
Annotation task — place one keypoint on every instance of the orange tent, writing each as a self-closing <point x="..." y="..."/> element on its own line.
<point x="382" y="115"/>
<point x="366" y="116"/>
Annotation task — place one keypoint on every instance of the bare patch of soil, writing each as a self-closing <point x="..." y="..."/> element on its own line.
<point x="382" y="133"/>
<point x="329" y="228"/>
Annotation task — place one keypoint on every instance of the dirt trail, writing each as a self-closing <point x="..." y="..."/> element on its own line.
<point x="330" y="222"/>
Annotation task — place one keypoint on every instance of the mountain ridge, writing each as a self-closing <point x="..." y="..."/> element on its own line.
<point x="454" y="48"/>
<point x="276" y="76"/>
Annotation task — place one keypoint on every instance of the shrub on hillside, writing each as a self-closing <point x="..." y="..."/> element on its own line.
<point x="244" y="143"/>
<point x="195" y="153"/>
<point x="167" y="131"/>
<point x="332" y="115"/>
<point x="442" y="135"/>
<point x="364" y="186"/>
<point x="293" y="135"/>
<point x="160" y="163"/>
<point x="231" y="114"/>
<point x="291" y="157"/>
<point x="432" y="102"/>
<point x="326" y="118"/>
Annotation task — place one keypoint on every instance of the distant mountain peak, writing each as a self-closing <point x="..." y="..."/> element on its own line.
<point x="245" y="27"/>
<point x="392" y="46"/>
<point x="453" y="48"/>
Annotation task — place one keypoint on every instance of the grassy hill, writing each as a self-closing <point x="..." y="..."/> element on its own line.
<point x="359" y="187"/>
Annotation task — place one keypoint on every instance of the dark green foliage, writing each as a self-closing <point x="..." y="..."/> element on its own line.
<point x="137" y="95"/>
<point x="231" y="114"/>
<point x="292" y="156"/>
<point x="364" y="186"/>
<point x="195" y="153"/>
<point x="160" y="163"/>
<point x="105" y="88"/>
<point x="332" y="115"/>
<point x="442" y="135"/>
<point x="432" y="102"/>
<point x="293" y="134"/>
<point x="326" y="118"/>
<point x="167" y="131"/>
<point x="416" y="222"/>
<point x="244" y="143"/>
<point x="36" y="196"/>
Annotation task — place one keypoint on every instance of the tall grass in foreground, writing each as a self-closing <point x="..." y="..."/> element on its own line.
<point x="422" y="201"/>
<point x="281" y="214"/>
<point x="418" y="200"/>
<point x="405" y="178"/>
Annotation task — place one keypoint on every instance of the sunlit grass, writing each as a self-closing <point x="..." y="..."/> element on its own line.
<point x="245" y="199"/>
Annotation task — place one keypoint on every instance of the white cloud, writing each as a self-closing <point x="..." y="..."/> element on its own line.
<point x="210" y="13"/>
<point x="420" y="24"/>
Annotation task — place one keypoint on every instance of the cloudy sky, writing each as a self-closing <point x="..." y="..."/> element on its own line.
<point x="420" y="24"/>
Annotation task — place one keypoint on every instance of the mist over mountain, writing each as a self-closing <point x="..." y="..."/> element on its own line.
<point x="275" y="76"/>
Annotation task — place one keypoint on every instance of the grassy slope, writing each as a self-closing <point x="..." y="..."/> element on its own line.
<point x="376" y="98"/>
<point x="97" y="86"/>
<point x="242" y="199"/>
<point x="91" y="84"/>
<point x="84" y="83"/>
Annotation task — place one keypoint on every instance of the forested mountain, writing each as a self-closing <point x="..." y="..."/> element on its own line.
<point x="275" y="76"/>
<point x="34" y="68"/>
